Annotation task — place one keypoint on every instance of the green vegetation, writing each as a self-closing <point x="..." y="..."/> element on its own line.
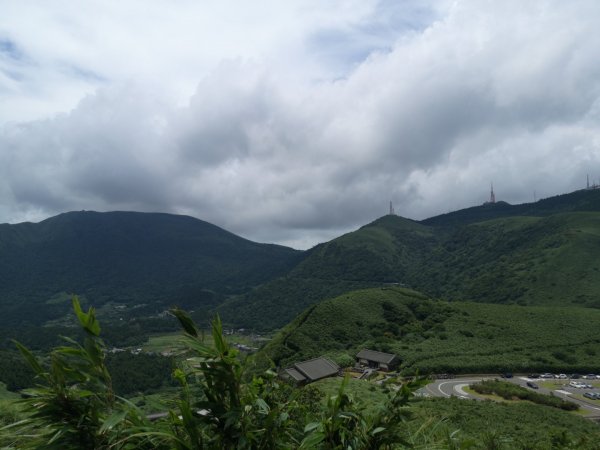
<point x="135" y="266"/>
<point x="524" y="260"/>
<point x="139" y="264"/>
<point x="367" y="396"/>
<point x="497" y="338"/>
<point x="508" y="426"/>
<point x="529" y="273"/>
<point x="157" y="402"/>
<point x="511" y="391"/>
<point x="482" y="424"/>
<point x="6" y="394"/>
<point x="139" y="373"/>
<point x="170" y="342"/>
<point x="15" y="374"/>
<point x="385" y="251"/>
<point x="574" y="201"/>
<point x="74" y="405"/>
<point x="544" y="258"/>
<point x="435" y="337"/>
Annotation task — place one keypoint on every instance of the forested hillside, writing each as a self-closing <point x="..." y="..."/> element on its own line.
<point x="141" y="263"/>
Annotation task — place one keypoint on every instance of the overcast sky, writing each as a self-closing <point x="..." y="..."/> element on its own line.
<point x="294" y="121"/>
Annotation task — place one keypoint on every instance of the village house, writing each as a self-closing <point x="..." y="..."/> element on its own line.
<point x="377" y="360"/>
<point x="312" y="370"/>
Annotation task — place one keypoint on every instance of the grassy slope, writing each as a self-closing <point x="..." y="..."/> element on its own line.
<point x="516" y="425"/>
<point x="435" y="336"/>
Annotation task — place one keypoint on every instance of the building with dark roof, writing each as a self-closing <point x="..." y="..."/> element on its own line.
<point x="312" y="370"/>
<point x="377" y="360"/>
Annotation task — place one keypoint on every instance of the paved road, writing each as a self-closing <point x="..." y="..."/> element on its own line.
<point x="451" y="388"/>
<point x="455" y="388"/>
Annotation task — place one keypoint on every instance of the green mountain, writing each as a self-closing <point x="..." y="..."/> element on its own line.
<point x="543" y="259"/>
<point x="143" y="262"/>
<point x="532" y="254"/>
<point x="384" y="251"/>
<point x="526" y="260"/>
<point x="582" y="200"/>
<point x="435" y="336"/>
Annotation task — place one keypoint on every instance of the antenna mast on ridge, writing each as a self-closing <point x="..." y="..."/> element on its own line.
<point x="391" y="209"/>
<point x="492" y="196"/>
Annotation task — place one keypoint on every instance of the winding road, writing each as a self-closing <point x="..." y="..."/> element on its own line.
<point x="455" y="388"/>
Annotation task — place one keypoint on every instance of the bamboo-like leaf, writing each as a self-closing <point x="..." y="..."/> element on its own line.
<point x="311" y="426"/>
<point x="217" y="333"/>
<point x="262" y="406"/>
<point x="93" y="351"/>
<point x="186" y="321"/>
<point x="112" y="420"/>
<point x="37" y="368"/>
<point x="87" y="320"/>
<point x="55" y="437"/>
<point x="311" y="441"/>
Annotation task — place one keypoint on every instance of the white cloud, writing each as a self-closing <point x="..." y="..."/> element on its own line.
<point x="299" y="124"/>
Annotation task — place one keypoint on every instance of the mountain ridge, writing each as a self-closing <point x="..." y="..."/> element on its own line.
<point x="129" y="257"/>
<point x="580" y="200"/>
<point x="542" y="258"/>
<point x="156" y="260"/>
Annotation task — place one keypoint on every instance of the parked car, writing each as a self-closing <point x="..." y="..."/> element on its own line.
<point x="561" y="376"/>
<point x="546" y="375"/>
<point x="592" y="395"/>
<point x="507" y="375"/>
<point x="590" y="376"/>
<point x="577" y="384"/>
<point x="575" y="376"/>
<point x="532" y="385"/>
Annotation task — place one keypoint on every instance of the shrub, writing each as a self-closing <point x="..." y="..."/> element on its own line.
<point x="510" y="391"/>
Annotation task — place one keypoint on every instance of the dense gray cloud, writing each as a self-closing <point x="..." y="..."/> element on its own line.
<point x="302" y="126"/>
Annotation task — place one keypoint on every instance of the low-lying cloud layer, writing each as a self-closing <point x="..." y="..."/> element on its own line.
<point x="311" y="130"/>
